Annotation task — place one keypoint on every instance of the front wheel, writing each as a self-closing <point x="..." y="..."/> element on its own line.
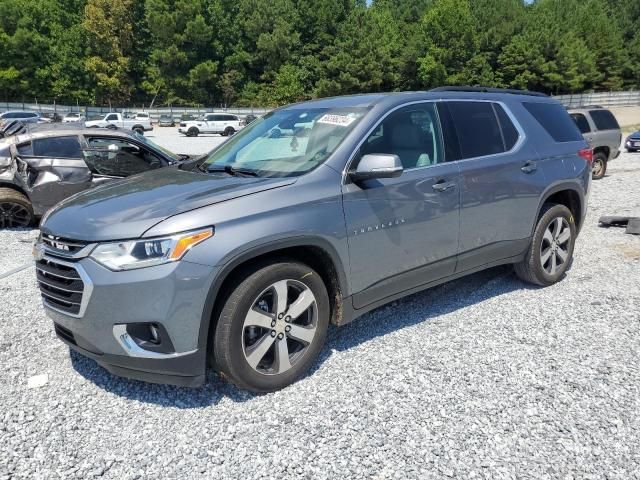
<point x="192" y="132"/>
<point x="551" y="249"/>
<point x="15" y="209"/>
<point x="272" y="327"/>
<point x="599" y="167"/>
<point x="228" y="132"/>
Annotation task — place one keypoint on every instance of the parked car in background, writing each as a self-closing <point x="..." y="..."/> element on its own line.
<point x="116" y="120"/>
<point x="221" y="123"/>
<point x="142" y="116"/>
<point x="248" y="119"/>
<point x="632" y="143"/>
<point x="187" y="117"/>
<point x="40" y="167"/>
<point x="24" y="117"/>
<point x="73" y="117"/>
<point x="166" y="120"/>
<point x="241" y="259"/>
<point x="53" y="117"/>
<point x="600" y="129"/>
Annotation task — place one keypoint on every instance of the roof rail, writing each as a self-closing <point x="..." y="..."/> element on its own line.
<point x="488" y="90"/>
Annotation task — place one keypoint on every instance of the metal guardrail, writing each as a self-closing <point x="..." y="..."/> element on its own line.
<point x="154" y="113"/>
<point x="606" y="99"/>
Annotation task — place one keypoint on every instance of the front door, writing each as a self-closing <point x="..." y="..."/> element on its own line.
<point x="403" y="232"/>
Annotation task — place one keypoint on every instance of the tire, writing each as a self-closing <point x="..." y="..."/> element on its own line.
<point x="599" y="166"/>
<point x="193" y="132"/>
<point x="534" y="268"/>
<point x="228" y="132"/>
<point x="16" y="210"/>
<point x="252" y="318"/>
<point x="139" y="130"/>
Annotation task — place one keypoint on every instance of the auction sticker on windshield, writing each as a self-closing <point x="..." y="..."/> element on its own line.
<point x="339" y="120"/>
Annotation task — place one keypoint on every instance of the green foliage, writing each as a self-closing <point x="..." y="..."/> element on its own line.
<point x="272" y="52"/>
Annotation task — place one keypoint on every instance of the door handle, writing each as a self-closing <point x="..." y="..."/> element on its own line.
<point x="529" y="167"/>
<point x="443" y="185"/>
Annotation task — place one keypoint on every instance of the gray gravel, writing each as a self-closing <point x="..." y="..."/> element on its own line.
<point x="484" y="377"/>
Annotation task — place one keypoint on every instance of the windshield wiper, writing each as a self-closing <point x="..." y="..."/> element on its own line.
<point x="236" y="172"/>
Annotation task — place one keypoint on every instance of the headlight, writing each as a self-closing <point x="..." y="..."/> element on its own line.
<point x="132" y="254"/>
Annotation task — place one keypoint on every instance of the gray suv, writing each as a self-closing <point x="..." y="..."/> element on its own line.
<point x="601" y="130"/>
<point x="241" y="260"/>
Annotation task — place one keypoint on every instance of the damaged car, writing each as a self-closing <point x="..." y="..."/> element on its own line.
<point x="41" y="167"/>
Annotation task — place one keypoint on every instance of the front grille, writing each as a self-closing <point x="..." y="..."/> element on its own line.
<point x="60" y="285"/>
<point x="62" y="246"/>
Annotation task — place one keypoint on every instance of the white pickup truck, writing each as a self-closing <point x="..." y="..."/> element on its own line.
<point x="116" y="120"/>
<point x="222" y="123"/>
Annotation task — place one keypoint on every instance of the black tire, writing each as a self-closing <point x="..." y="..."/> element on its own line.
<point x="231" y="351"/>
<point x="16" y="210"/>
<point x="532" y="269"/>
<point x="599" y="166"/>
<point x="228" y="132"/>
<point x="139" y="130"/>
<point x="193" y="132"/>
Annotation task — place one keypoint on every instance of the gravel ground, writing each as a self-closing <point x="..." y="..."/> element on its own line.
<point x="484" y="377"/>
<point x="169" y="137"/>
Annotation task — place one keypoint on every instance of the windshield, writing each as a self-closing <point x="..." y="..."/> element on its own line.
<point x="155" y="146"/>
<point x="286" y="143"/>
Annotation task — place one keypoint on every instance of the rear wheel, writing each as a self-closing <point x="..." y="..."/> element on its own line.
<point x="228" y="132"/>
<point x="551" y="250"/>
<point x="599" y="167"/>
<point x="272" y="327"/>
<point x="193" y="132"/>
<point x="15" y="209"/>
<point x="139" y="130"/>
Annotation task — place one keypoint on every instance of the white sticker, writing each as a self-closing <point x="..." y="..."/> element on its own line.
<point x="339" y="120"/>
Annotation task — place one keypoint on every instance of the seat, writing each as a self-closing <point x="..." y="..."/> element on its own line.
<point x="408" y="142"/>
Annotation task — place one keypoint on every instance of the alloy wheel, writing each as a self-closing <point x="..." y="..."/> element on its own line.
<point x="597" y="168"/>
<point x="14" y="215"/>
<point x="555" y="245"/>
<point x="279" y="327"/>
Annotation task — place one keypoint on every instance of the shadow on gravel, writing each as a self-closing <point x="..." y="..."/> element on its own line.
<point x="414" y="309"/>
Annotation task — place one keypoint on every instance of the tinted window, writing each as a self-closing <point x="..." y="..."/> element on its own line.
<point x="555" y="120"/>
<point x="119" y="158"/>
<point x="509" y="132"/>
<point x="25" y="149"/>
<point x="230" y="118"/>
<point x="581" y="122"/>
<point x="604" y="120"/>
<point x="412" y="133"/>
<point x="112" y="117"/>
<point x="57" y="147"/>
<point x="477" y="127"/>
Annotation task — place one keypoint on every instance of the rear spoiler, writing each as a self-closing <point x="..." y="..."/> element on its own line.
<point x="12" y="127"/>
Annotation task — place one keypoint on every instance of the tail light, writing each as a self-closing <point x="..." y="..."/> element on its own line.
<point x="587" y="154"/>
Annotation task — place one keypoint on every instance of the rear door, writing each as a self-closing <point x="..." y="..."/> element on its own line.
<point x="500" y="182"/>
<point x="52" y="169"/>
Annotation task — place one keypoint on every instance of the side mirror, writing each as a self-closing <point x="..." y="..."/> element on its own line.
<point x="377" y="165"/>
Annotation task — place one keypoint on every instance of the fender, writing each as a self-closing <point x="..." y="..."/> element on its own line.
<point x="573" y="185"/>
<point x="257" y="251"/>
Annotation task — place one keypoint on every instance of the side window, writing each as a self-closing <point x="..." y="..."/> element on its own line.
<point x="581" y="122"/>
<point x="477" y="127"/>
<point x="509" y="131"/>
<point x="57" y="147"/>
<point x="412" y="133"/>
<point x="604" y="120"/>
<point x="113" y="116"/>
<point x="24" y="149"/>
<point x="555" y="120"/>
<point x="119" y="158"/>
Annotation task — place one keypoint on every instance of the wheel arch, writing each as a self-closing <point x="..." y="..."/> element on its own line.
<point x="604" y="150"/>
<point x="566" y="194"/>
<point x="319" y="254"/>
<point x="13" y="186"/>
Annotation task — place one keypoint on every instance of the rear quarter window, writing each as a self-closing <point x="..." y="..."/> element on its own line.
<point x="581" y="122"/>
<point x="57" y="147"/>
<point x="604" y="120"/>
<point x="555" y="120"/>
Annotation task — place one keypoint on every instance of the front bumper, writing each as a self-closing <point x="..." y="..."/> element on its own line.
<point x="170" y="297"/>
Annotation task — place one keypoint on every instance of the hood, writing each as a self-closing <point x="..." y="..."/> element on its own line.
<point x="127" y="208"/>
<point x="635" y="135"/>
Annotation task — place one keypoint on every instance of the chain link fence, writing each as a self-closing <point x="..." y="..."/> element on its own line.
<point x="605" y="99"/>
